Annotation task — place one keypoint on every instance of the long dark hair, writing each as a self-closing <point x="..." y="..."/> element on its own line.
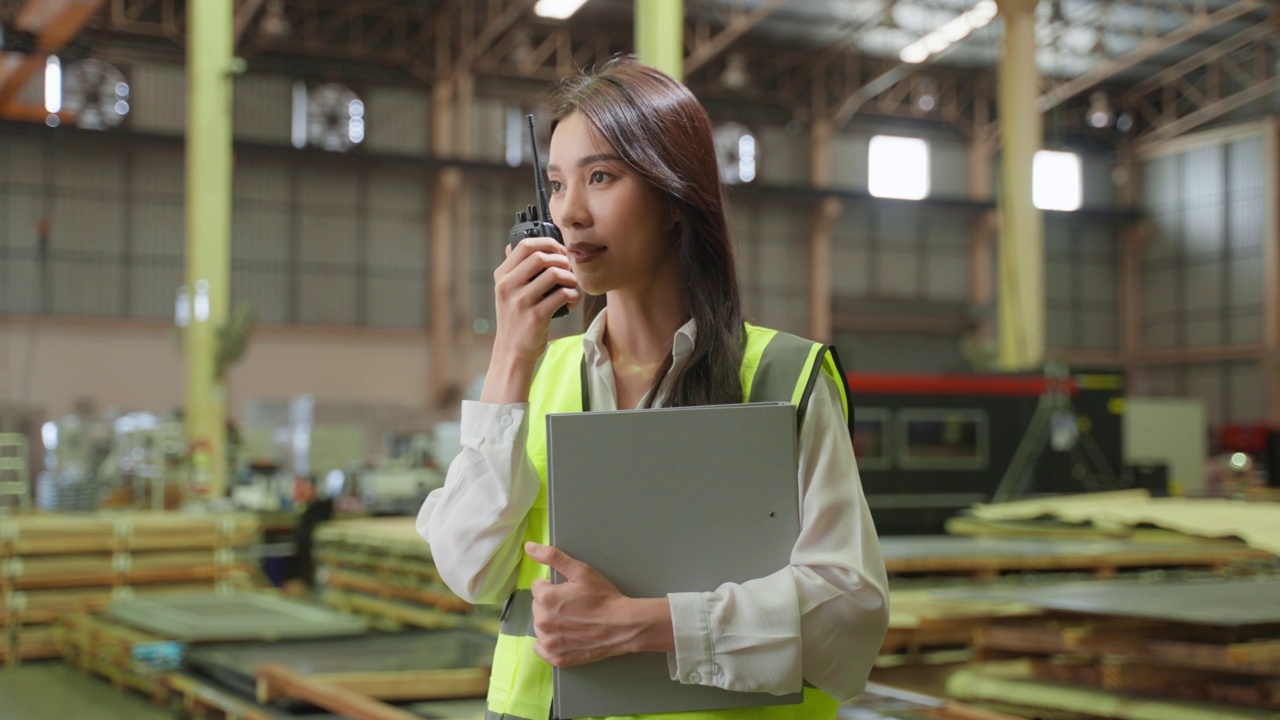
<point x="663" y="132"/>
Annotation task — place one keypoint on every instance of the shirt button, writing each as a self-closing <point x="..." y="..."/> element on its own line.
<point x="506" y="421"/>
<point x="715" y="670"/>
<point x="695" y="678"/>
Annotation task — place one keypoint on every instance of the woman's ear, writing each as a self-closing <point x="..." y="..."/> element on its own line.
<point x="673" y="219"/>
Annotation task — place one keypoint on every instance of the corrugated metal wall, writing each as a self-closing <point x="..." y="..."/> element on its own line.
<point x="1202" y="270"/>
<point x="1081" y="304"/>
<point x="343" y="239"/>
<point x="315" y="239"/>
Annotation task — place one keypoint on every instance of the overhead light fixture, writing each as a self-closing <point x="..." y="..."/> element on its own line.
<point x="557" y="9"/>
<point x="735" y="75"/>
<point x="1100" y="113"/>
<point x="274" y="23"/>
<point x="952" y="32"/>
<point x="52" y="84"/>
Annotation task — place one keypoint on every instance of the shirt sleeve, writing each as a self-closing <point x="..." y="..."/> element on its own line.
<point x="823" y="618"/>
<point x="475" y="524"/>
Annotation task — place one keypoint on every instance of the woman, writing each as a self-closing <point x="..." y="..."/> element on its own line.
<point x="636" y="193"/>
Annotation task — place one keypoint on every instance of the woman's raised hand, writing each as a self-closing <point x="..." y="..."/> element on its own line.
<point x="529" y="286"/>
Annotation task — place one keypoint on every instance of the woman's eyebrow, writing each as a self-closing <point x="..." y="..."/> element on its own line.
<point x="588" y="160"/>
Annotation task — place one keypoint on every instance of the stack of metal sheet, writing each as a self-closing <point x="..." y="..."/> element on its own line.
<point x="1211" y="640"/>
<point x="382" y="568"/>
<point x="52" y="565"/>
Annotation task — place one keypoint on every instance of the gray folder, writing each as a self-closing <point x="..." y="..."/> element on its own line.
<point x="670" y="500"/>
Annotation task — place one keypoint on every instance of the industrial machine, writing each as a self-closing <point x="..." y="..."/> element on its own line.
<point x="929" y="446"/>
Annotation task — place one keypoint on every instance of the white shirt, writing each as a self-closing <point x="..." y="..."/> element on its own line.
<point x="821" y="619"/>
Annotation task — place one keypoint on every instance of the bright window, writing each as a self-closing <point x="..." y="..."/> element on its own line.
<point x="1055" y="181"/>
<point x="898" y="167"/>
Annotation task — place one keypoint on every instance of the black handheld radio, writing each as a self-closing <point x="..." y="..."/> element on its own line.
<point x="528" y="222"/>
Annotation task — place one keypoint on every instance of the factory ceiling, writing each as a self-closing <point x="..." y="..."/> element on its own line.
<point x="1161" y="62"/>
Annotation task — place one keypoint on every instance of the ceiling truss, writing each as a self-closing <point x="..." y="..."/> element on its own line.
<point x="435" y="42"/>
<point x="1208" y="85"/>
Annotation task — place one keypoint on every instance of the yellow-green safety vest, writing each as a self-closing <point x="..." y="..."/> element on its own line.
<point x="775" y="367"/>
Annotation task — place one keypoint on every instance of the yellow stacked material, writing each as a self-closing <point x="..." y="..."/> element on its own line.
<point x="1257" y="523"/>
<point x="382" y="568"/>
<point x="1237" y="666"/>
<point x="105" y="648"/>
<point x="1015" y="685"/>
<point x="54" y="565"/>
<point x="989" y="558"/>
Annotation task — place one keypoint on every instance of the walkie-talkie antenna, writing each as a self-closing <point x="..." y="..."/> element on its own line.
<point x="537" y="173"/>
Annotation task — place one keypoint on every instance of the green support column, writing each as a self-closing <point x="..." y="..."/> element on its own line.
<point x="660" y="35"/>
<point x="1021" y="244"/>
<point x="208" y="234"/>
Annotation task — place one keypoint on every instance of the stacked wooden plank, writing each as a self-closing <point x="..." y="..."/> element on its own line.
<point x="108" y="649"/>
<point x="53" y="565"/>
<point x="921" y="623"/>
<point x="1145" y="657"/>
<point x="1207" y="641"/>
<point x="382" y="568"/>
<point x="987" y="558"/>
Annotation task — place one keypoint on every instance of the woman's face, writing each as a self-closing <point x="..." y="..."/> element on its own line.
<point x="611" y="219"/>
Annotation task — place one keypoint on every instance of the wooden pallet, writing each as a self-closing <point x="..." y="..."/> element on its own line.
<point x="1163" y="681"/>
<point x="31" y="644"/>
<point x="920" y="622"/>
<point x="391" y="614"/>
<point x="1237" y="666"/>
<point x="436" y="596"/>
<point x="105" y="649"/>
<point x="1012" y="686"/>
<point x="1219" y="556"/>
<point x="197" y="699"/>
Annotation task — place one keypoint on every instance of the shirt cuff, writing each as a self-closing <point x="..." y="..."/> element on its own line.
<point x="694" y="661"/>
<point x="489" y="420"/>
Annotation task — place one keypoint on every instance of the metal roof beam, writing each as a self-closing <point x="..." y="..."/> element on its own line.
<point x="1151" y="48"/>
<point x="739" y="26"/>
<point x="1209" y="54"/>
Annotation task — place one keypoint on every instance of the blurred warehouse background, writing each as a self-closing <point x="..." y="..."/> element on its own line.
<point x="246" y="255"/>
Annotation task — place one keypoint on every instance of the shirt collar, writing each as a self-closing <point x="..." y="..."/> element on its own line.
<point x="595" y="353"/>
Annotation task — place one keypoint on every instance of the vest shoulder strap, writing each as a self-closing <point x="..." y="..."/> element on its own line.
<point x="781" y="367"/>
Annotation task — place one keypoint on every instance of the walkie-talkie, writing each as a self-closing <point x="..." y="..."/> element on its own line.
<point x="529" y="223"/>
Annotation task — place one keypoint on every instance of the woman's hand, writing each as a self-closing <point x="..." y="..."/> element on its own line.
<point x="532" y="270"/>
<point x="586" y="618"/>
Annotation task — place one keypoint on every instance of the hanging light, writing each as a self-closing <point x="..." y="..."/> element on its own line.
<point x="735" y="75"/>
<point x="1100" y="114"/>
<point x="557" y="9"/>
<point x="274" y="23"/>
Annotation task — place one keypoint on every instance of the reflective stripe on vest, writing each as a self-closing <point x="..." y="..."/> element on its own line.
<point x="775" y="367"/>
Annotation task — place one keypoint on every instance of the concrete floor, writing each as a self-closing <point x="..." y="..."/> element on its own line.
<point x="51" y="690"/>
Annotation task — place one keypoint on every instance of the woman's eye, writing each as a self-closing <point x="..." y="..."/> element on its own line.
<point x="555" y="186"/>
<point x="599" y="176"/>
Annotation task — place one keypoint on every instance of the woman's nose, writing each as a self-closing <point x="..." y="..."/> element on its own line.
<point x="572" y="210"/>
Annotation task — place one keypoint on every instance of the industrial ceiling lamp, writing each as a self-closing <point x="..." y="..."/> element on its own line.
<point x="961" y="27"/>
<point x="1100" y="114"/>
<point x="275" y="24"/>
<point x="557" y="9"/>
<point x="735" y="75"/>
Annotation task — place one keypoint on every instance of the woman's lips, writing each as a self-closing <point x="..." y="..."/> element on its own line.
<point x="585" y="253"/>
